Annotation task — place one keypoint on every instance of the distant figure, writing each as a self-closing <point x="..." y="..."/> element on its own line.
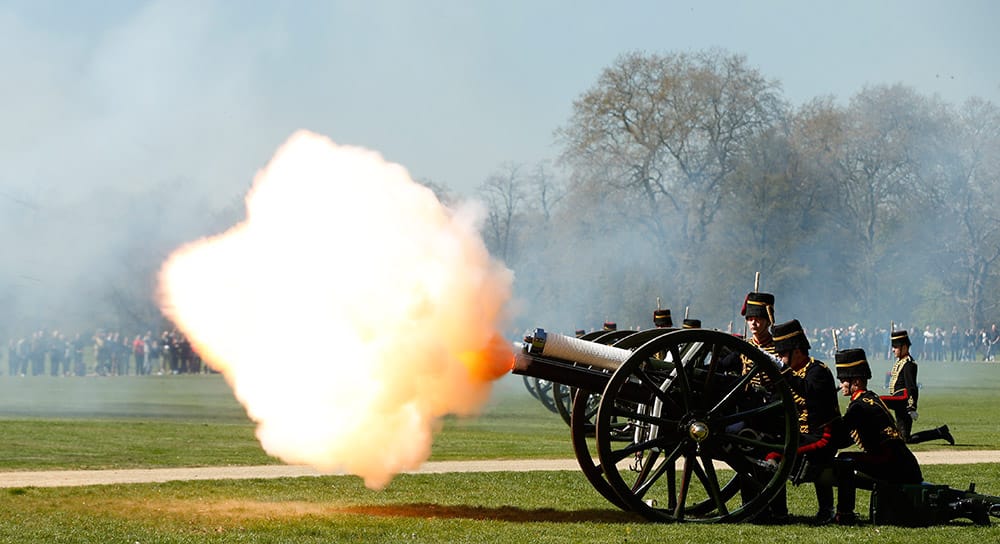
<point x="904" y="392"/>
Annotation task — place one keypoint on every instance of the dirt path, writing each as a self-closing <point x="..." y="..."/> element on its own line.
<point x="67" y="478"/>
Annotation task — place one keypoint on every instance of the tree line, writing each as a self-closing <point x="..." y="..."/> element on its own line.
<point x="679" y="175"/>
<point x="682" y="174"/>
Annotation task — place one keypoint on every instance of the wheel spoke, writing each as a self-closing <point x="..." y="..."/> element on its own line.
<point x="655" y="387"/>
<point x="635" y="447"/>
<point x="668" y="465"/>
<point x="685" y="485"/>
<point x="646" y="418"/>
<point x="736" y="417"/>
<point x="647" y="467"/>
<point x="711" y="482"/>
<point x="682" y="378"/>
<point x="737" y="391"/>
<point x="746" y="441"/>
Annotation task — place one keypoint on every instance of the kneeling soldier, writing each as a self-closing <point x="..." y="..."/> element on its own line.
<point x="815" y="395"/>
<point x="884" y="454"/>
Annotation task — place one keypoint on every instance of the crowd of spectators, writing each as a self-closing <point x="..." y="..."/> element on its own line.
<point x="112" y="353"/>
<point x="105" y="353"/>
<point x="929" y="344"/>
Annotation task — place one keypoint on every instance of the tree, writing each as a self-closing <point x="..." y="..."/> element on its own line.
<point x="660" y="136"/>
<point x="504" y="193"/>
<point x="873" y="163"/>
<point x="966" y="181"/>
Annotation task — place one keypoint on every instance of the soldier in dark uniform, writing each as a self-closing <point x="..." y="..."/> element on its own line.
<point x="758" y="309"/>
<point x="884" y="454"/>
<point x="904" y="393"/>
<point x="661" y="319"/>
<point x="815" y="395"/>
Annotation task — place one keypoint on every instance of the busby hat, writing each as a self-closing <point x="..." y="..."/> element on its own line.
<point x="691" y="324"/>
<point x="788" y="336"/>
<point x="900" y="338"/>
<point x="610" y="326"/>
<point x="661" y="318"/>
<point x="758" y="305"/>
<point x="852" y="363"/>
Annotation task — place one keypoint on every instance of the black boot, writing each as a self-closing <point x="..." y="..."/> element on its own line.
<point x="824" y="498"/>
<point x="843" y="470"/>
<point x="946" y="434"/>
<point x="941" y="433"/>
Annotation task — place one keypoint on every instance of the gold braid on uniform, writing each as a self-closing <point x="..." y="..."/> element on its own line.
<point x="897" y="367"/>
<point x="759" y="379"/>
<point x="800" y="401"/>
<point x="889" y="432"/>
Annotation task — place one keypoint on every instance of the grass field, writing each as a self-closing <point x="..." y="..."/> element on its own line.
<point x="129" y="422"/>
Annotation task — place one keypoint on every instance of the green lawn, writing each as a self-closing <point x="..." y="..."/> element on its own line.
<point x="538" y="507"/>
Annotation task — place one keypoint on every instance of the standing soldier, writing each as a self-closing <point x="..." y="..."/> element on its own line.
<point x="904" y="392"/>
<point x="884" y="454"/>
<point x="815" y="395"/>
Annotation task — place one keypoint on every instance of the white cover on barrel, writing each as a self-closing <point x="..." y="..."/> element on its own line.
<point x="583" y="351"/>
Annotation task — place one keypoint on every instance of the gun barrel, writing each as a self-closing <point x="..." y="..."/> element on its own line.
<point x="567" y="348"/>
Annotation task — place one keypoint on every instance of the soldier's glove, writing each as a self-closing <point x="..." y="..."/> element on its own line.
<point x="913" y="415"/>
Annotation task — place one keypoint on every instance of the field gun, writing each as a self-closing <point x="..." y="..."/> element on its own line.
<point x="663" y="425"/>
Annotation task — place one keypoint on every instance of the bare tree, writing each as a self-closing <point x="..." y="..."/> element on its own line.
<point x="967" y="184"/>
<point x="662" y="136"/>
<point x="873" y="165"/>
<point x="504" y="193"/>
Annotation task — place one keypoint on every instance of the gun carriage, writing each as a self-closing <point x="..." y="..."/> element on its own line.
<point x="661" y="427"/>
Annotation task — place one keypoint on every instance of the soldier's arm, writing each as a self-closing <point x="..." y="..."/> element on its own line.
<point x="910" y="380"/>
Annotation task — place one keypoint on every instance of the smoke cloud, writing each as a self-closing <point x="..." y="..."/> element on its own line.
<point x="348" y="312"/>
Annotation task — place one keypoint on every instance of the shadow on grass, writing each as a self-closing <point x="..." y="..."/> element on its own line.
<point x="503" y="513"/>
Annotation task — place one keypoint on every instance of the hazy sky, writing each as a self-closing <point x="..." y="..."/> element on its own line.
<point x="124" y="93"/>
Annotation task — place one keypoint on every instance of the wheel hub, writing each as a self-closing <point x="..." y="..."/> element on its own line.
<point x="698" y="430"/>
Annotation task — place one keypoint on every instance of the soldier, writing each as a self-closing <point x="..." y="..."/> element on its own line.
<point x="758" y="309"/>
<point x="904" y="392"/>
<point x="884" y="454"/>
<point x="661" y="319"/>
<point x="815" y="395"/>
<point x="691" y="324"/>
